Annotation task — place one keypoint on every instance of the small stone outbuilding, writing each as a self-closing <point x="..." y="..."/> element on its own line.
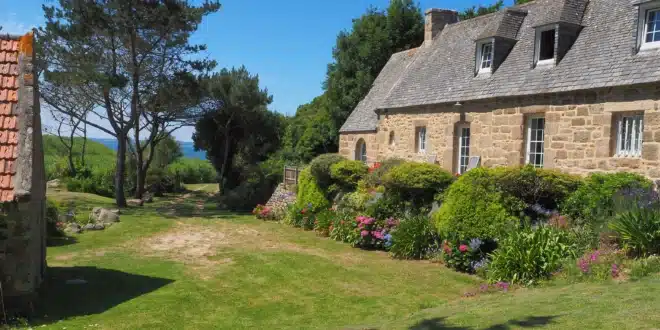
<point x="22" y="177"/>
<point x="566" y="84"/>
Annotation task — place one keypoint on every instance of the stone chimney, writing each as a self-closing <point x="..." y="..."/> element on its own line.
<point x="435" y="21"/>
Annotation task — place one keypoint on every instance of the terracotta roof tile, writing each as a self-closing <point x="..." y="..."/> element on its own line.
<point x="9" y="94"/>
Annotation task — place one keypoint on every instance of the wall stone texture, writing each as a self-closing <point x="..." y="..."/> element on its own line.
<point x="580" y="135"/>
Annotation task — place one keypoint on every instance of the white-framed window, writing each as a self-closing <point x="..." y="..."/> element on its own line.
<point x="421" y="139"/>
<point x="361" y="151"/>
<point x="485" y="56"/>
<point x="649" y="25"/>
<point x="545" y="45"/>
<point x="629" y="133"/>
<point x="535" y="140"/>
<point x="463" y="147"/>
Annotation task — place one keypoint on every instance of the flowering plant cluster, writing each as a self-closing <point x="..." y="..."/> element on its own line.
<point x="374" y="234"/>
<point x="600" y="264"/>
<point x="263" y="212"/>
<point x="374" y="167"/>
<point x="465" y="257"/>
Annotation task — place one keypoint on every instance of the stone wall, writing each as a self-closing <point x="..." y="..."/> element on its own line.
<point x="349" y="141"/>
<point x="579" y="132"/>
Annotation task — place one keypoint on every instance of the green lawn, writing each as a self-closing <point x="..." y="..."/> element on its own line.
<point x="180" y="264"/>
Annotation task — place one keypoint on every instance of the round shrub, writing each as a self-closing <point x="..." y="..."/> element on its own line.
<point x="416" y="185"/>
<point x="594" y="199"/>
<point x="536" y="186"/>
<point x="528" y="255"/>
<point x="376" y="173"/>
<point x="348" y="173"/>
<point x="474" y="207"/>
<point x="413" y="238"/>
<point x="320" y="169"/>
<point x="310" y="195"/>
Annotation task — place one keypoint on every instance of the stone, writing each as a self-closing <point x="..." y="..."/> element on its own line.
<point x="73" y="228"/>
<point x="89" y="226"/>
<point x="107" y="216"/>
<point x="99" y="226"/>
<point x="54" y="183"/>
<point x="135" y="202"/>
<point x="148" y="198"/>
<point x="66" y="217"/>
<point x="581" y="136"/>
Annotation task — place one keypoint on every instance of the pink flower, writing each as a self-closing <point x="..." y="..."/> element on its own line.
<point x="463" y="248"/>
<point x="377" y="234"/>
<point x="595" y="255"/>
<point x="364" y="233"/>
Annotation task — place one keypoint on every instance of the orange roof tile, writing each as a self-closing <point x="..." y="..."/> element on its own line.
<point x="9" y="94"/>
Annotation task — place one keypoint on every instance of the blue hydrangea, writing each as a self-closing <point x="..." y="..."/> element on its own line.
<point x="476" y="265"/>
<point x="475" y="244"/>
<point x="388" y="240"/>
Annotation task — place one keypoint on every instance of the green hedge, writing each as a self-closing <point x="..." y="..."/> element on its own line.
<point x="348" y="173"/>
<point x="474" y="207"/>
<point x="416" y="185"/>
<point x="320" y="169"/>
<point x="310" y="193"/>
<point x="192" y="170"/>
<point x="594" y="201"/>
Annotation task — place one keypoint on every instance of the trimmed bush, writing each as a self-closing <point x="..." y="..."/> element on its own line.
<point x="474" y="207"/>
<point x="348" y="173"/>
<point x="528" y="255"/>
<point x="594" y="200"/>
<point x="377" y="173"/>
<point x="310" y="195"/>
<point x="416" y="185"/>
<point x="536" y="186"/>
<point x="413" y="238"/>
<point x="320" y="169"/>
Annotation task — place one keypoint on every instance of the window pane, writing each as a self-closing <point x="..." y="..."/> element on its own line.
<point x="547" y="45"/>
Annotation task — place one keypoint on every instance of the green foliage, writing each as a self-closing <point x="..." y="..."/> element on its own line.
<point x="323" y="222"/>
<point x="413" y="238"/>
<point x="463" y="256"/>
<point x="547" y="188"/>
<point x="528" y="255"/>
<point x="475" y="11"/>
<point x="52" y="219"/>
<point x="97" y="156"/>
<point x="639" y="230"/>
<point x="167" y="151"/>
<point x="474" y="207"/>
<point x="348" y="173"/>
<point x="320" y="169"/>
<point x="344" y="229"/>
<point x="97" y="181"/>
<point x="355" y="201"/>
<point x="593" y="201"/>
<point x="416" y="185"/>
<point x="377" y="173"/>
<point x="192" y="170"/>
<point x="643" y="267"/>
<point x="309" y="194"/>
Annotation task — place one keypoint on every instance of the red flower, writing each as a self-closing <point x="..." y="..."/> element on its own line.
<point x="303" y="211"/>
<point x="463" y="248"/>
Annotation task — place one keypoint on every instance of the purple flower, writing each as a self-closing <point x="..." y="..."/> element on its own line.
<point x="504" y="286"/>
<point x="615" y="271"/>
<point x="594" y="256"/>
<point x="483" y="287"/>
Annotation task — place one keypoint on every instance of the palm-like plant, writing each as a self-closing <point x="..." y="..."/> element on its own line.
<point x="639" y="229"/>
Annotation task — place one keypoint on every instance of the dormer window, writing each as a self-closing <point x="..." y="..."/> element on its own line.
<point x="545" y="45"/>
<point x="649" y="25"/>
<point x="485" y="56"/>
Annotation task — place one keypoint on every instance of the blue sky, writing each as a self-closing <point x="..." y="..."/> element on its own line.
<point x="288" y="43"/>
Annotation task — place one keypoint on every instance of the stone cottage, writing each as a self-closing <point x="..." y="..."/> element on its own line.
<point x="567" y="84"/>
<point x="22" y="180"/>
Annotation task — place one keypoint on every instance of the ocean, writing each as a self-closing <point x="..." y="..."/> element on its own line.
<point x="186" y="147"/>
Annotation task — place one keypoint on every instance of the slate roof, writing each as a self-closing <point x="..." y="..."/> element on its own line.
<point x="602" y="56"/>
<point x="363" y="117"/>
<point x="9" y="86"/>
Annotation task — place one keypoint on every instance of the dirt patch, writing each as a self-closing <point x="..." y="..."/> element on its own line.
<point x="188" y="244"/>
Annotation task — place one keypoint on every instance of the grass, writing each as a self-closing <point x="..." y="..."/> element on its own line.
<point x="180" y="263"/>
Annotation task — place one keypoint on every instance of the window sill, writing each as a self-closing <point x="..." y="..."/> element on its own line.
<point x="650" y="46"/>
<point x="545" y="63"/>
<point x="484" y="74"/>
<point x="627" y="156"/>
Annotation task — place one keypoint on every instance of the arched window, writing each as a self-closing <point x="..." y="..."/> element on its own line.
<point x="361" y="151"/>
<point x="392" y="141"/>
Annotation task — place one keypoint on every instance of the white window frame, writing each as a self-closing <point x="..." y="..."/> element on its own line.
<point x="530" y="142"/>
<point x="644" y="13"/>
<point x="629" y="130"/>
<point x="480" y="56"/>
<point x="421" y="139"/>
<point x="463" y="159"/>
<point x="537" y="46"/>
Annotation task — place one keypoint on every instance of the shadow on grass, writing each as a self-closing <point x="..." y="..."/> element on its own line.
<point x="61" y="241"/>
<point x="197" y="204"/>
<point x="438" y="323"/>
<point x="94" y="290"/>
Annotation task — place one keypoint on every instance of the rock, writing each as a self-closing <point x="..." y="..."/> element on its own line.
<point x="67" y="217"/>
<point x="89" y="226"/>
<point x="148" y="198"/>
<point x="54" y="183"/>
<point x="94" y="215"/>
<point x="107" y="216"/>
<point x="135" y="202"/>
<point x="99" y="226"/>
<point x="73" y="228"/>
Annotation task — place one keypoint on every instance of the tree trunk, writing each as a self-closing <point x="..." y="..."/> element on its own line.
<point x="120" y="172"/>
<point x="84" y="146"/>
<point x="223" y="168"/>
